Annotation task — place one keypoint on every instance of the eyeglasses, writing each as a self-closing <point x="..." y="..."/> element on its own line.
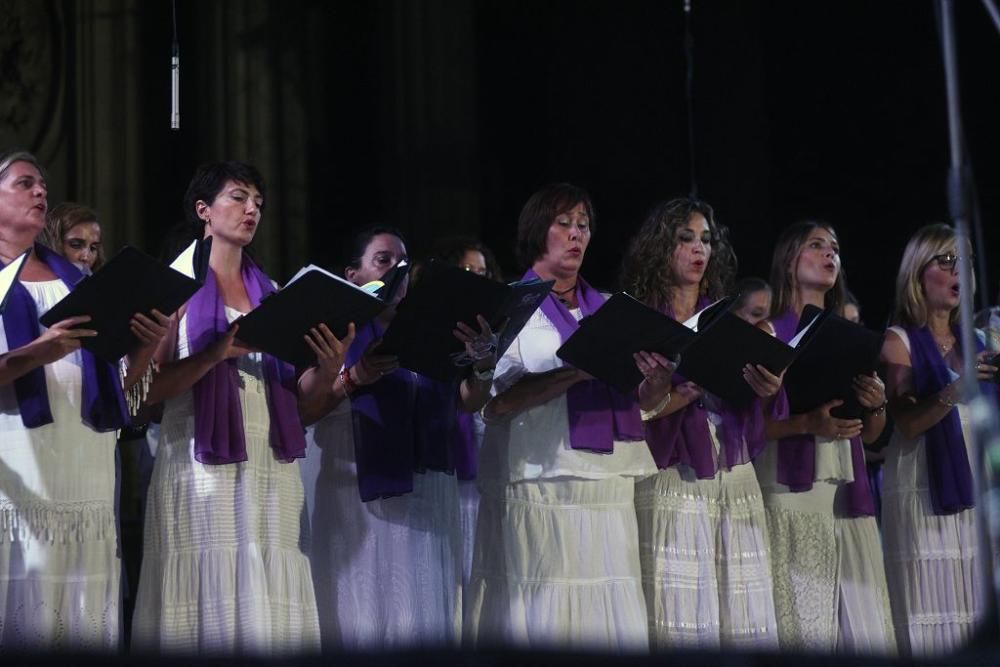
<point x="948" y="260"/>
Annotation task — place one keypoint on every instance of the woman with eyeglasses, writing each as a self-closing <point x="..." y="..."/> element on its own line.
<point x="702" y="530"/>
<point x="929" y="495"/>
<point x="829" y="578"/>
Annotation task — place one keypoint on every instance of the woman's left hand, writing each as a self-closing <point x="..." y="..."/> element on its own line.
<point x="149" y="330"/>
<point x="870" y="391"/>
<point x="481" y="346"/>
<point x="657" y="370"/>
<point x="330" y="351"/>
<point x="763" y="382"/>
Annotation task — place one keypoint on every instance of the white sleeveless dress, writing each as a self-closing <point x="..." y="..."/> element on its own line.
<point x="223" y="570"/>
<point x="59" y="569"/>
<point x="937" y="587"/>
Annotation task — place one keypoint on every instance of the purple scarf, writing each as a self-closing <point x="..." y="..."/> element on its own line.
<point x="463" y="435"/>
<point x="683" y="436"/>
<point x="401" y="426"/>
<point x="948" y="468"/>
<point x="797" y="454"/>
<point x="598" y="414"/>
<point x="103" y="407"/>
<point x="218" y="417"/>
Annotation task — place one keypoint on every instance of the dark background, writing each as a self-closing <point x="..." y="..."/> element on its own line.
<point x="444" y="116"/>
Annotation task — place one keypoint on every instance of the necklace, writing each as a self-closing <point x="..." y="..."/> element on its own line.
<point x="944" y="347"/>
<point x="560" y="294"/>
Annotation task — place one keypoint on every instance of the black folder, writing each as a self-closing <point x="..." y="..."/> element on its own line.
<point x="839" y="351"/>
<point x="421" y="333"/>
<point x="713" y="346"/>
<point x="9" y="275"/>
<point x="131" y="282"/>
<point x="312" y="297"/>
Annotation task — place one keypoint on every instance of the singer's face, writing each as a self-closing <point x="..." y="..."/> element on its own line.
<point x="692" y="251"/>
<point x="756" y="307"/>
<point x="818" y="263"/>
<point x="234" y="214"/>
<point x="941" y="285"/>
<point x="23" y="198"/>
<point x="566" y="242"/>
<point x="82" y="244"/>
<point x="384" y="251"/>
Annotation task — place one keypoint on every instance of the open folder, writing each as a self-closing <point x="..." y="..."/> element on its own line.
<point x="839" y="350"/>
<point x="713" y="346"/>
<point x="9" y="275"/>
<point x="131" y="282"/>
<point x="421" y="333"/>
<point x="312" y="297"/>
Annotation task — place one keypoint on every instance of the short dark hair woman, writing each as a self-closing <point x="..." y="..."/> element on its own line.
<point x="557" y="556"/>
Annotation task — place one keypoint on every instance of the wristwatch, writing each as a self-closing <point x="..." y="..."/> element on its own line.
<point x="485" y="375"/>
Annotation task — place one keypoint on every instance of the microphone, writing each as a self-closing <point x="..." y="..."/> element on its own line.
<point x="175" y="86"/>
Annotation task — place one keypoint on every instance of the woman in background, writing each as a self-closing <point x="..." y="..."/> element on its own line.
<point x="72" y="231"/>
<point x="929" y="496"/>
<point x="753" y="300"/>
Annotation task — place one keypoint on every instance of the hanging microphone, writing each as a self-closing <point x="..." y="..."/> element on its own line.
<point x="175" y="87"/>
<point x="175" y="76"/>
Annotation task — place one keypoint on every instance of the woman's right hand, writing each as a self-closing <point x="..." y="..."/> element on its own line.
<point x="371" y="367"/>
<point x="227" y="347"/>
<point x="820" y="422"/>
<point x="61" y="339"/>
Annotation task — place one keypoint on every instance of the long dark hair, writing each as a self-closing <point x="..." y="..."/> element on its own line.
<point x="647" y="270"/>
<point x="785" y="261"/>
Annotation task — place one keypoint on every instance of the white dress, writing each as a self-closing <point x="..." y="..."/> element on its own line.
<point x="222" y="569"/>
<point x="59" y="569"/>
<point x="937" y="587"/>
<point x="830" y="591"/>
<point x="705" y="558"/>
<point x="556" y="561"/>
<point x="388" y="573"/>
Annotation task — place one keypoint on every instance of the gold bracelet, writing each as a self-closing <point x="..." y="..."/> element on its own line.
<point x="945" y="401"/>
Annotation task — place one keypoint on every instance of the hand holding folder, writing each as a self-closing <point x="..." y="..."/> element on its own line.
<point x="131" y="283"/>
<point x="421" y="334"/>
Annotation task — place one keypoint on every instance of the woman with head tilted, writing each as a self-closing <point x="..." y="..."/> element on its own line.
<point x="829" y="580"/>
<point x="386" y="538"/>
<point x="929" y="496"/>
<point x="72" y="231"/>
<point x="60" y="407"/>
<point x="706" y="569"/>
<point x="222" y="569"/>
<point x="557" y="554"/>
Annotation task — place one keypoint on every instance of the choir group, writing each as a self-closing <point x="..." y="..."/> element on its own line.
<point x="358" y="505"/>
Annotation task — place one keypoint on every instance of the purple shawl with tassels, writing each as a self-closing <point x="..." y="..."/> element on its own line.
<point x="797" y="454"/>
<point x="948" y="470"/>
<point x="103" y="406"/>
<point x="401" y="425"/>
<point x="218" y="417"/>
<point x="598" y="414"/>
<point x="683" y="437"/>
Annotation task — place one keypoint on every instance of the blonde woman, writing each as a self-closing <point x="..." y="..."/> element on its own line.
<point x="928" y="501"/>
<point x="72" y="230"/>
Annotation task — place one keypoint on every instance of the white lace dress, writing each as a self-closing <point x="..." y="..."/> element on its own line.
<point x="938" y="591"/>
<point x="556" y="561"/>
<point x="830" y="592"/>
<point x="705" y="558"/>
<point x="59" y="569"/>
<point x="223" y="571"/>
<point x="388" y="573"/>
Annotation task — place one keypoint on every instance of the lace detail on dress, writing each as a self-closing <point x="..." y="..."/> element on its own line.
<point x="805" y="579"/>
<point x="56" y="522"/>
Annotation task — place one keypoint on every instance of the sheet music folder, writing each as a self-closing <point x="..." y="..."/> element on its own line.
<point x="713" y="346"/>
<point x="421" y="332"/>
<point x="312" y="297"/>
<point x="839" y="351"/>
<point x="9" y="275"/>
<point x="131" y="282"/>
